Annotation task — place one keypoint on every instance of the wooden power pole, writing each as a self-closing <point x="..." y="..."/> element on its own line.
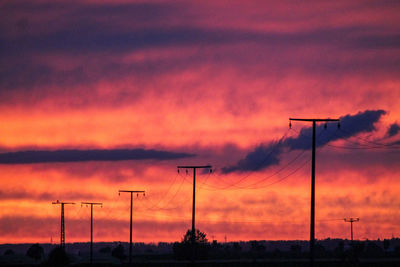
<point x="130" y="229"/>
<point x="351" y="220"/>
<point x="91" y="225"/>
<point x="194" y="167"/>
<point x="312" y="224"/>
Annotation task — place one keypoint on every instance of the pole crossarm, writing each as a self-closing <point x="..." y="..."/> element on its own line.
<point x="92" y="203"/>
<point x="351" y="219"/>
<point x="328" y="119"/>
<point x="62" y="203"/>
<point x="194" y="167"/>
<point x="131" y="191"/>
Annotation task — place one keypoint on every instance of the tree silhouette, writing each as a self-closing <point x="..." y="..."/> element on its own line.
<point x="185" y="249"/>
<point x="35" y="252"/>
<point x="199" y="237"/>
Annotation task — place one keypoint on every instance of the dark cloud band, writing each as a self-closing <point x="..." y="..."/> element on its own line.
<point x="41" y="156"/>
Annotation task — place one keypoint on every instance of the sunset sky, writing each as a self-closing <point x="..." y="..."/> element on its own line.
<point x="97" y="96"/>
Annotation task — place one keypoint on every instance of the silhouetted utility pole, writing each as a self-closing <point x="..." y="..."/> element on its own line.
<point x="130" y="229"/>
<point x="91" y="225"/>
<point x="312" y="225"/>
<point x="193" y="236"/>
<point x="62" y="239"/>
<point x="351" y="220"/>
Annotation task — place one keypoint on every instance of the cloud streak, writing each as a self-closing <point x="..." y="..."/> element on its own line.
<point x="41" y="156"/>
<point x="22" y="194"/>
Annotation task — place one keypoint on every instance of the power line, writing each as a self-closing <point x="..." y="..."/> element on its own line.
<point x="259" y="164"/>
<point x="253" y="184"/>
<point x="285" y="177"/>
<point x="164" y="207"/>
<point x="156" y="205"/>
<point x="369" y="141"/>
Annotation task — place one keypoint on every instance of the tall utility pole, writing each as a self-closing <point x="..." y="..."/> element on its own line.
<point x="62" y="239"/>
<point x="130" y="229"/>
<point x="312" y="224"/>
<point x="351" y="220"/>
<point x="91" y="225"/>
<point x="193" y="236"/>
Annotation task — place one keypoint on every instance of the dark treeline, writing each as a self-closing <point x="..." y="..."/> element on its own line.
<point x="337" y="250"/>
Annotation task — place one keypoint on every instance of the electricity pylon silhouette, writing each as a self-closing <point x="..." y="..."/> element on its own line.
<point x="91" y="225"/>
<point x="351" y="220"/>
<point x="62" y="238"/>
<point x="130" y="229"/>
<point x="193" y="234"/>
<point x="312" y="224"/>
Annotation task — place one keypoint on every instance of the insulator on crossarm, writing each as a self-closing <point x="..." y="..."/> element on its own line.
<point x="290" y="125"/>
<point x="325" y="126"/>
<point x="144" y="194"/>
<point x="187" y="171"/>
<point x="210" y="170"/>
<point x="137" y="195"/>
<point x="178" y="170"/>
<point x="338" y="125"/>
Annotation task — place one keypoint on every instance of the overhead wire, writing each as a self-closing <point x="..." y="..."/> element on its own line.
<point x="162" y="198"/>
<point x="236" y="183"/>
<point x="369" y="141"/>
<point x="259" y="164"/>
<point x="361" y="146"/>
<point x="252" y="186"/>
<point x="291" y="173"/>
<point x="165" y="205"/>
